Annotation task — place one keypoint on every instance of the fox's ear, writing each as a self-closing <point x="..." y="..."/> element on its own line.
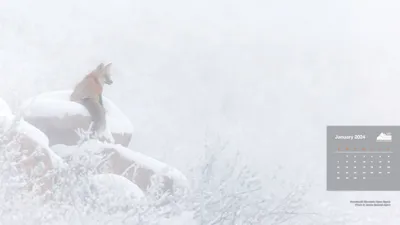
<point x="107" y="67"/>
<point x="100" y="67"/>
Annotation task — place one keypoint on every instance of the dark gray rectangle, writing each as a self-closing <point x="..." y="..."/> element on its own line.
<point x="363" y="158"/>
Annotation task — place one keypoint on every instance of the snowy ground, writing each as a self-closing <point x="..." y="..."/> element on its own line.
<point x="264" y="76"/>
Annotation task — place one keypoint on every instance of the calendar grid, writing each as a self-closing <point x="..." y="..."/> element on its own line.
<point x="362" y="158"/>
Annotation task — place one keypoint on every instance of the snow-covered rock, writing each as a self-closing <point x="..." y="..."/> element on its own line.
<point x="28" y="148"/>
<point x="135" y="166"/>
<point x="59" y="118"/>
<point x="116" y="185"/>
<point x="113" y="193"/>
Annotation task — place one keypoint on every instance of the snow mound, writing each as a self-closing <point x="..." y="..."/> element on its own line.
<point x="57" y="104"/>
<point x="4" y="108"/>
<point x="6" y="116"/>
<point x="105" y="183"/>
<point x="23" y="127"/>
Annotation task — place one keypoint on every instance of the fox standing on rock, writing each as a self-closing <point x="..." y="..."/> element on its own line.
<point x="89" y="93"/>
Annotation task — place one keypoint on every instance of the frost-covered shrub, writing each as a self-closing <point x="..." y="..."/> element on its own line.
<point x="227" y="191"/>
<point x="224" y="190"/>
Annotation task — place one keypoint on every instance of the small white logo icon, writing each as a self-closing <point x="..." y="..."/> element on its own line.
<point x="384" y="137"/>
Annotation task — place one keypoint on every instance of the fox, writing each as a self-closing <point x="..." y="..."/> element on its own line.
<point x="89" y="91"/>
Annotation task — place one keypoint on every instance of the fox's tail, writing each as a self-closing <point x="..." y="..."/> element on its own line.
<point x="97" y="113"/>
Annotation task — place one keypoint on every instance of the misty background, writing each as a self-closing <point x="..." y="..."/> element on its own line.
<point x="266" y="77"/>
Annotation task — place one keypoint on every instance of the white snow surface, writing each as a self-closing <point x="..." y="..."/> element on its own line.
<point x="4" y="108"/>
<point x="186" y="218"/>
<point x="57" y="104"/>
<point x="116" y="184"/>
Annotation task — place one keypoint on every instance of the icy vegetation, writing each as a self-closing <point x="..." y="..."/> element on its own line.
<point x="67" y="185"/>
<point x="80" y="196"/>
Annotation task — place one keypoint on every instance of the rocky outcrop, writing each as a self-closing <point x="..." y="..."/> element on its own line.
<point x="50" y="119"/>
<point x="26" y="149"/>
<point x="136" y="167"/>
<point x="61" y="119"/>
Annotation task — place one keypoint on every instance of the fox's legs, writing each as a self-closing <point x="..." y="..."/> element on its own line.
<point x="97" y="127"/>
<point x="97" y="113"/>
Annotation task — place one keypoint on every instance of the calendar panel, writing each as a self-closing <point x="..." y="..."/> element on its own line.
<point x="363" y="158"/>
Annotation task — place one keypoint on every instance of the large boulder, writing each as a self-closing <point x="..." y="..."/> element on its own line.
<point x="115" y="185"/>
<point x="25" y="152"/>
<point x="59" y="118"/>
<point x="142" y="170"/>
